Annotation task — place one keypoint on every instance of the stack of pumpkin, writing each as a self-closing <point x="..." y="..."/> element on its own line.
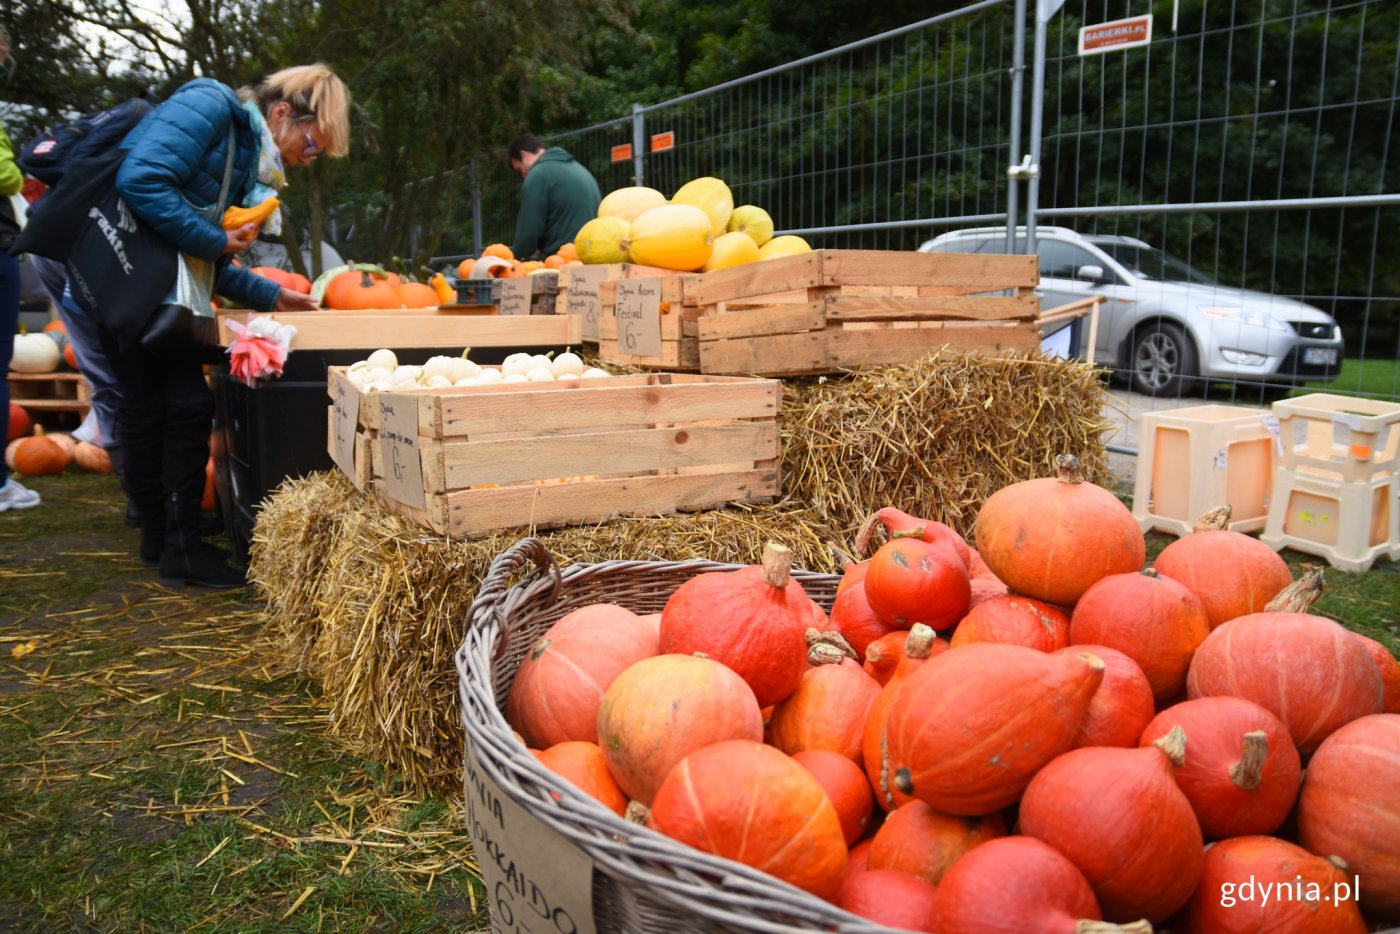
<point x="1056" y="763"/>
<point x="43" y="454"/>
<point x="498" y="261"/>
<point x="699" y="228"/>
<point x="43" y="351"/>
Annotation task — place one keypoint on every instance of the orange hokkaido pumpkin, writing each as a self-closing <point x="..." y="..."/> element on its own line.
<point x="1122" y="706"/>
<point x="662" y="709"/>
<point x="1350" y="807"/>
<point x="896" y="521"/>
<point x="19" y="423"/>
<point x="1016" y="885"/>
<point x="498" y="249"/>
<point x="560" y="683"/>
<point x="1052" y="539"/>
<point x="1389" y="669"/>
<point x="889" y="898"/>
<point x="1242" y="771"/>
<point x="417" y="295"/>
<point x="854" y="618"/>
<point x="39" y="456"/>
<point x="856" y="858"/>
<point x="1153" y="620"/>
<point x="1015" y="621"/>
<point x="919" y="646"/>
<point x="1308" y="671"/>
<point x="852" y="574"/>
<point x="845" y="785"/>
<point x="748" y="802"/>
<point x="968" y="729"/>
<point x="209" y="499"/>
<point x="1118" y="816"/>
<point x="1307" y="891"/>
<point x="985" y="584"/>
<point x="914" y="581"/>
<point x="1231" y="573"/>
<point x="583" y="766"/>
<point x="885" y="655"/>
<point x="355" y="290"/>
<point x="753" y="620"/>
<point x="917" y="839"/>
<point x="827" y="711"/>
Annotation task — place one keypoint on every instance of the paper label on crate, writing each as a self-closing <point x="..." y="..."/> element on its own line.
<point x="398" y="446"/>
<point x="583" y="297"/>
<point x="514" y="296"/>
<point x="1274" y="427"/>
<point x="639" y="317"/>
<point x="344" y="419"/>
<point x="536" y="881"/>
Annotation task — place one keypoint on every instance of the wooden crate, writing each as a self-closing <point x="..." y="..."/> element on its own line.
<point x="491" y="457"/>
<point x="582" y="300"/>
<point x="830" y="310"/>
<point x="408" y="328"/>
<point x="680" y="332"/>
<point x="51" y="392"/>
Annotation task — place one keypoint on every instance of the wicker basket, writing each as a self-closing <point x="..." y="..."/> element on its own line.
<point x="640" y="880"/>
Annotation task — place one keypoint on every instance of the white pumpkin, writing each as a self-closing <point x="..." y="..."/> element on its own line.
<point x="35" y="353"/>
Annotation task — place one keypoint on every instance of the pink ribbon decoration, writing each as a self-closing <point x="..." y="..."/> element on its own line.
<point x="259" y="349"/>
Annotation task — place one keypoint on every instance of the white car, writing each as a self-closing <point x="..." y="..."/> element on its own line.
<point x="1166" y="325"/>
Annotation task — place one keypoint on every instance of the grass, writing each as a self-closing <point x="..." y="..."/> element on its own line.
<point x="159" y="774"/>
<point x="1375" y="379"/>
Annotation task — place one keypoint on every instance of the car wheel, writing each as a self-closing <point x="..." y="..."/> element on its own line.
<point x="1163" y="359"/>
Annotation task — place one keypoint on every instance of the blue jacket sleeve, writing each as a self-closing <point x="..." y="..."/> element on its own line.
<point x="163" y="161"/>
<point x="246" y="287"/>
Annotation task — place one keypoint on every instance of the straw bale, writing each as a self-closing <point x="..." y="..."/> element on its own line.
<point x="937" y="437"/>
<point x="373" y="607"/>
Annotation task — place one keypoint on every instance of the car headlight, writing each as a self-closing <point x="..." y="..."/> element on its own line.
<point x="1251" y="316"/>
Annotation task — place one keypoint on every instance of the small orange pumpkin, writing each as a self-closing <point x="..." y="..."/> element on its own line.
<point x="39" y="456"/>
<point x="583" y="766"/>
<point x="418" y="295"/>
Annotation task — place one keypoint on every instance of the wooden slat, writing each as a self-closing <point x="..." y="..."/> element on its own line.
<point x="55" y="377"/>
<point x="876" y="308"/>
<point x="406" y="329"/>
<point x="672" y="289"/>
<point x="966" y="270"/>
<point x="618" y="402"/>
<point x="467" y="512"/>
<point x="854" y="348"/>
<point x="771" y="355"/>
<point x="772" y="275"/>
<point x="453" y="465"/>
<point x="779" y="319"/>
<point x="52" y="405"/>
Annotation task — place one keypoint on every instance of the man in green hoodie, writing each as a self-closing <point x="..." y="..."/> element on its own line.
<point x="558" y="197"/>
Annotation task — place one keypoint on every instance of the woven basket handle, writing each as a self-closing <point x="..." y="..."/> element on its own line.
<point x="490" y="596"/>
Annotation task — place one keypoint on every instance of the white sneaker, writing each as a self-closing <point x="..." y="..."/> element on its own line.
<point x="15" y="496"/>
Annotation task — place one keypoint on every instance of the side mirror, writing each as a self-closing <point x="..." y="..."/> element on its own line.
<point x="1092" y="274"/>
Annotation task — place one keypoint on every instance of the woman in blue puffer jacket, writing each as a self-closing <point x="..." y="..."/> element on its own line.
<point x="175" y="165"/>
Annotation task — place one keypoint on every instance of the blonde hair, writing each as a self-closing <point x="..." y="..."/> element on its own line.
<point x="312" y="91"/>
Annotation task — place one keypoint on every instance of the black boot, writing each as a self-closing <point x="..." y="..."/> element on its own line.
<point x="133" y="515"/>
<point x="152" y="538"/>
<point x="187" y="560"/>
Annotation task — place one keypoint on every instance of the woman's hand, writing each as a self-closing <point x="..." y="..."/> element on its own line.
<point x="240" y="238"/>
<point x="288" y="300"/>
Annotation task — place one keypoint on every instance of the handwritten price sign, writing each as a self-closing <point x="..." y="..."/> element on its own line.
<point x="639" y="317"/>
<point x="398" y="446"/>
<point x="583" y="297"/>
<point x="343" y="421"/>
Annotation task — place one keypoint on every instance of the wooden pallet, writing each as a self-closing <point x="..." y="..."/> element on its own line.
<point x="489" y="458"/>
<point x="831" y="310"/>
<point x="51" y="392"/>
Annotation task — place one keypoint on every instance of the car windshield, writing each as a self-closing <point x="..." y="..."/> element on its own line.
<point x="1151" y="263"/>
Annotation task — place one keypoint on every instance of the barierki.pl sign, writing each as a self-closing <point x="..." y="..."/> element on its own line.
<point x="1119" y="34"/>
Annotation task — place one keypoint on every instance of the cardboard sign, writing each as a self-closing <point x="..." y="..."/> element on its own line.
<point x="622" y="153"/>
<point x="639" y="317"/>
<point x="398" y="445"/>
<point x="660" y="142"/>
<point x="1119" y="34"/>
<point x="514" y="296"/>
<point x="536" y="881"/>
<point x="346" y="415"/>
<point x="583" y="297"/>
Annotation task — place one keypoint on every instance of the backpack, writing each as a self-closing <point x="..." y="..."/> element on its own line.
<point x="48" y="155"/>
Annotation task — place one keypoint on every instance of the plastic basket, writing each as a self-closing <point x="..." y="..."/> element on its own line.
<point x="639" y="880"/>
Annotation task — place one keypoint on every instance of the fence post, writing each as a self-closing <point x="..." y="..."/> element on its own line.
<point x="1044" y="9"/>
<point x="638" y="138"/>
<point x="1018" y="86"/>
<point x="477" y="245"/>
